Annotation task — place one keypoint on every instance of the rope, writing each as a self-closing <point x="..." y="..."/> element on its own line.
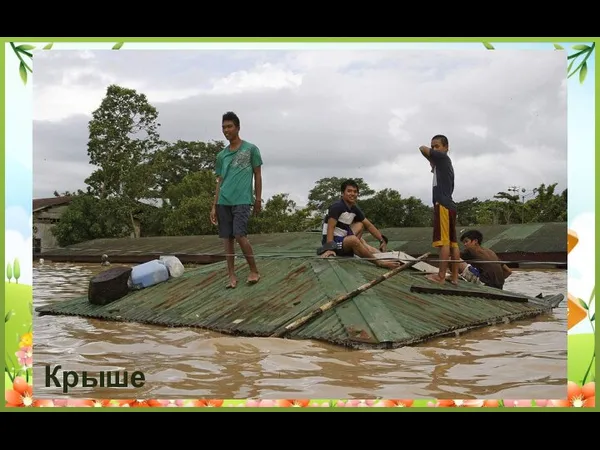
<point x="303" y="255"/>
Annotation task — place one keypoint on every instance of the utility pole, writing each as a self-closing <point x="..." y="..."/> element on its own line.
<point x="515" y="190"/>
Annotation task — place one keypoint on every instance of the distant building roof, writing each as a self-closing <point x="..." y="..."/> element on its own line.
<point x="43" y="203"/>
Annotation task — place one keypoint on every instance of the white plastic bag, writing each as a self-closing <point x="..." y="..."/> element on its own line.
<point x="471" y="274"/>
<point x="174" y="266"/>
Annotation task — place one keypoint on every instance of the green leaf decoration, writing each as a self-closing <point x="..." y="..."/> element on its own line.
<point x="593" y="317"/>
<point x="488" y="46"/>
<point x="24" y="47"/>
<point x="583" y="304"/>
<point x="19" y="52"/>
<point x="48" y="46"/>
<point x="9" y="315"/>
<point x="558" y="47"/>
<point x="583" y="72"/>
<point x="585" y="51"/>
<point x="23" y="72"/>
<point x="118" y="45"/>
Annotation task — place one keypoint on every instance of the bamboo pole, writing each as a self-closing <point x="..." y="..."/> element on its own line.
<point x="343" y="297"/>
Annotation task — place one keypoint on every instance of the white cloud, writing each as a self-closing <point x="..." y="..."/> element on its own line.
<point x="18" y="247"/>
<point x="61" y="102"/>
<point x="265" y="76"/>
<point x="324" y="113"/>
<point x="477" y="130"/>
<point x="397" y="124"/>
<point x="16" y="218"/>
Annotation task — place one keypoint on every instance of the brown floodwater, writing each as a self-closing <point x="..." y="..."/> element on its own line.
<point x="520" y="360"/>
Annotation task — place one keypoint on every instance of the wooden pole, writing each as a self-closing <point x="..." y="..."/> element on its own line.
<point x="342" y="298"/>
<point x="469" y="293"/>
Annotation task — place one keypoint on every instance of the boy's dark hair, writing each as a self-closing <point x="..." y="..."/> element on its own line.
<point x="349" y="182"/>
<point x="443" y="139"/>
<point x="230" y="115"/>
<point x="473" y="235"/>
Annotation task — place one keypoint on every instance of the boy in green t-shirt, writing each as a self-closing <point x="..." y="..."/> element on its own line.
<point x="236" y="166"/>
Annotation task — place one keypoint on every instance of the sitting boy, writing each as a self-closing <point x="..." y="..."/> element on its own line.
<point x="490" y="274"/>
<point x="343" y="227"/>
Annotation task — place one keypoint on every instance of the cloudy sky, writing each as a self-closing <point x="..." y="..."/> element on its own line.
<point x="315" y="114"/>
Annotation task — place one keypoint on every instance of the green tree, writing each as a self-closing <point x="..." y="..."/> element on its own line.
<point x="279" y="215"/>
<point x="418" y="214"/>
<point x="191" y="201"/>
<point x="122" y="137"/>
<point x="64" y="194"/>
<point x="202" y="182"/>
<point x="17" y="270"/>
<point x="467" y="211"/>
<point x="173" y="162"/>
<point x="488" y="213"/>
<point x="328" y="190"/>
<point x="191" y="217"/>
<point x="9" y="272"/>
<point x="385" y="209"/>
<point x="547" y="206"/>
<point x="509" y="207"/>
<point x="89" y="217"/>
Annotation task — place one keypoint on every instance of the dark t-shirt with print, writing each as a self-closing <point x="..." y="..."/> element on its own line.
<point x="345" y="216"/>
<point x="443" y="179"/>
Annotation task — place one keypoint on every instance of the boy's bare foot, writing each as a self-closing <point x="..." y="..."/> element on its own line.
<point x="389" y="264"/>
<point x="232" y="282"/>
<point x="453" y="282"/>
<point x="253" y="278"/>
<point x="435" y="278"/>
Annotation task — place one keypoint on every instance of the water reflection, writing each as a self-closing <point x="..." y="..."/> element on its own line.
<point x="526" y="359"/>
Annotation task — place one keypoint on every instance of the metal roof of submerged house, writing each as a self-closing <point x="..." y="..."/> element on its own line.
<point x="47" y="202"/>
<point x="403" y="310"/>
<point x="537" y="241"/>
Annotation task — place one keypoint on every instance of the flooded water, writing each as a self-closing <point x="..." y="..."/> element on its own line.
<point x="525" y="359"/>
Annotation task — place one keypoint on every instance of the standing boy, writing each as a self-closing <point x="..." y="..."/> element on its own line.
<point x="444" y="208"/>
<point x="236" y="166"/>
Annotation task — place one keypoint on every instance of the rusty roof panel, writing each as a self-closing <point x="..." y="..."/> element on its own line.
<point x="388" y="314"/>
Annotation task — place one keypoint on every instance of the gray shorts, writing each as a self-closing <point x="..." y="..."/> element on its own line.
<point x="233" y="220"/>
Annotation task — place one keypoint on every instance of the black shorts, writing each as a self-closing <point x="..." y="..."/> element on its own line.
<point x="339" y="250"/>
<point x="233" y="220"/>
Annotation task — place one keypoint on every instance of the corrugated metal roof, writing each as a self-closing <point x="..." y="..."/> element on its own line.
<point x="527" y="238"/>
<point x="41" y="203"/>
<point x="389" y="314"/>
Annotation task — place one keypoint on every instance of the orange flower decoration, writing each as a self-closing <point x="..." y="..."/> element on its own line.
<point x="577" y="396"/>
<point x="26" y="340"/>
<point x="91" y="403"/>
<point x="575" y="312"/>
<point x="464" y="404"/>
<point x="20" y="395"/>
<point x="572" y="240"/>
<point x="297" y="403"/>
<point x="396" y="403"/>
